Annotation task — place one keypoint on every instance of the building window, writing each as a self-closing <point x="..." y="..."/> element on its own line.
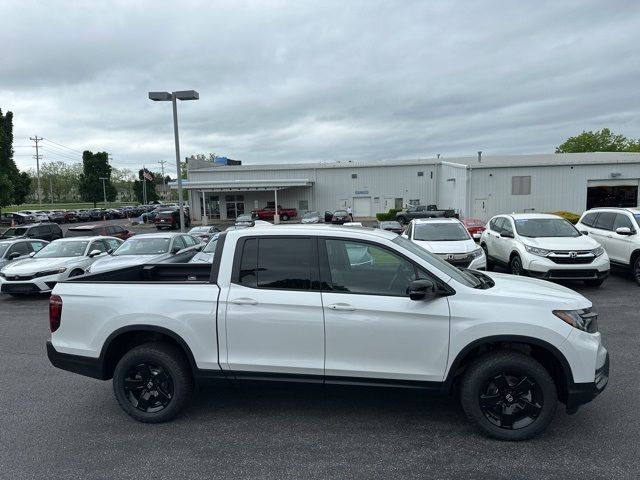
<point x="354" y="175"/>
<point x="415" y="201"/>
<point x="303" y="205"/>
<point x="521" y="185"/>
<point x="421" y="174"/>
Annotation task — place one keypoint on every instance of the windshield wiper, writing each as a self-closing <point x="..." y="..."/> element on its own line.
<point x="484" y="281"/>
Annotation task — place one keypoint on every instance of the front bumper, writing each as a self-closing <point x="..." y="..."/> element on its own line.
<point x="33" y="285"/>
<point x="581" y="393"/>
<point x="546" y="269"/>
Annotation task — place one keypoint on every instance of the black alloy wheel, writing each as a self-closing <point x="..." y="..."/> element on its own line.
<point x="511" y="400"/>
<point x="148" y="387"/>
<point x="153" y="382"/>
<point x="636" y="270"/>
<point x="508" y="395"/>
<point x="515" y="266"/>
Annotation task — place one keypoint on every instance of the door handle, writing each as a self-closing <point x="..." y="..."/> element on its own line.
<point x="244" y="301"/>
<point x="342" y="306"/>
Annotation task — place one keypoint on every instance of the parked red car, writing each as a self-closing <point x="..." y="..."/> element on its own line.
<point x="268" y="213"/>
<point x="474" y="226"/>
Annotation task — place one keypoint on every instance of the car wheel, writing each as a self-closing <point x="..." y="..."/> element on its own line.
<point x="285" y="217"/>
<point x="636" y="270"/>
<point x="508" y="395"/>
<point x="594" y="283"/>
<point x="158" y="227"/>
<point x="152" y="382"/>
<point x="402" y="220"/>
<point x="515" y="266"/>
<point x="75" y="273"/>
<point x="486" y="254"/>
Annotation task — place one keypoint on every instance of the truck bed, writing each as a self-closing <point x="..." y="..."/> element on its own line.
<point x="156" y="273"/>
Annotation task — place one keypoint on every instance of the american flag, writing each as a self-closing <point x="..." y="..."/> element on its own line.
<point x="147" y="175"/>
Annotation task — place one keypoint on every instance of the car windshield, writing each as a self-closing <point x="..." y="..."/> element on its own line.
<point x="143" y="246"/>
<point x="63" y="249"/>
<point x="199" y="230"/>
<point x="211" y="246"/>
<point x="545" y="227"/>
<point x="446" y="268"/>
<point x="311" y="215"/>
<point x="15" y="232"/>
<point x="244" y="218"/>
<point x="340" y="212"/>
<point x="440" y="232"/>
<point x="3" y="248"/>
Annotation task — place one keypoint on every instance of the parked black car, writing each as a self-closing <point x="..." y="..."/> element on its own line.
<point x="43" y="231"/>
<point x="16" y="218"/>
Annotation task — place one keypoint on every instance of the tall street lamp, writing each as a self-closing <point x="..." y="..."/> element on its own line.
<point x="104" y="190"/>
<point x="172" y="97"/>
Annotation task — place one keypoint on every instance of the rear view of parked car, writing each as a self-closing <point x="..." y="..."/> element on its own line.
<point x="474" y="226"/>
<point x="90" y="230"/>
<point x="169" y="219"/>
<point x="339" y="217"/>
<point x="618" y="231"/>
<point x="544" y="246"/>
<point x="391" y="226"/>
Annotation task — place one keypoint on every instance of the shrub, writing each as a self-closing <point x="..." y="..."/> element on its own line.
<point x="572" y="217"/>
<point x="390" y="215"/>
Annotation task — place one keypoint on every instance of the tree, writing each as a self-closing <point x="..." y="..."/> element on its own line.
<point x="152" y="195"/>
<point x="94" y="166"/>
<point x="14" y="185"/>
<point x="601" y="141"/>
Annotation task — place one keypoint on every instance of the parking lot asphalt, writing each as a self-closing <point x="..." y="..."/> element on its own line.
<point x="55" y="424"/>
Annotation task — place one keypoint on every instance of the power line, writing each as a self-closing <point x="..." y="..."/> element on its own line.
<point x="60" y="145"/>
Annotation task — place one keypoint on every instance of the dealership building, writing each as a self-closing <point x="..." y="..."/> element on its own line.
<point x="477" y="186"/>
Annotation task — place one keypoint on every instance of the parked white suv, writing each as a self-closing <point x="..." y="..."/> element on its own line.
<point x="449" y="239"/>
<point x="544" y="246"/>
<point x="616" y="229"/>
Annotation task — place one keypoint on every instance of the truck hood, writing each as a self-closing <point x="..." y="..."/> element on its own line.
<point x="582" y="242"/>
<point x="28" y="266"/>
<point x="515" y="287"/>
<point x="112" y="262"/>
<point x="461" y="246"/>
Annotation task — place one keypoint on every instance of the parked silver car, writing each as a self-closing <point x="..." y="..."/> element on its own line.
<point x="12" y="250"/>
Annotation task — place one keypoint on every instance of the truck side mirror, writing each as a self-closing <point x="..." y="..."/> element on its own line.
<point x="422" y="290"/>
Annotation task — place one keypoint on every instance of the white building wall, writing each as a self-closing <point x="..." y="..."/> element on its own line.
<point x="452" y="188"/>
<point x="552" y="188"/>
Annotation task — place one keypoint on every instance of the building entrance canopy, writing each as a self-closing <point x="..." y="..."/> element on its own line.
<point x="242" y="185"/>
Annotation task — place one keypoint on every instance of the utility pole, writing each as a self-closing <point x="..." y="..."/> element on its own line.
<point x="51" y="191"/>
<point x="164" y="185"/>
<point x="37" y="157"/>
<point x="144" y="185"/>
<point x="104" y="190"/>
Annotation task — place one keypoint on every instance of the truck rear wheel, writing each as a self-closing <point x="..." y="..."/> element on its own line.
<point x="508" y="395"/>
<point x="152" y="382"/>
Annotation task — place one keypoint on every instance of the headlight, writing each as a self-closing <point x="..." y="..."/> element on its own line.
<point x="580" y="319"/>
<point x="477" y="253"/>
<point x="51" y="272"/>
<point x="598" y="251"/>
<point x="541" y="252"/>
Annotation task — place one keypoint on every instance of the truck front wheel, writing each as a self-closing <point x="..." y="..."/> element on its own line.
<point x="285" y="217"/>
<point x="152" y="382"/>
<point x="508" y="395"/>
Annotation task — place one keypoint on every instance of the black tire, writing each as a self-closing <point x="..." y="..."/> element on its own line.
<point x="76" y="273"/>
<point x="515" y="266"/>
<point x="285" y="217"/>
<point x="158" y="227"/>
<point x="508" y="395"/>
<point x="402" y="220"/>
<point x="594" y="283"/>
<point x="152" y="382"/>
<point x="486" y="254"/>
<point x="636" y="270"/>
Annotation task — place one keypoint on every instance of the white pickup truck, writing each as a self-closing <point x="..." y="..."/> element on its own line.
<point x="299" y="304"/>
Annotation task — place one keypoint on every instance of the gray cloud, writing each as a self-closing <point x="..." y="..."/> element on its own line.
<point x="291" y="81"/>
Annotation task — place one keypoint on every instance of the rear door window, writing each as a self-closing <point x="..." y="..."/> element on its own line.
<point x="605" y="221"/>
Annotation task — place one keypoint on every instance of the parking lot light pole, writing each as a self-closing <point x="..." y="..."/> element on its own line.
<point x="173" y="97"/>
<point x="104" y="190"/>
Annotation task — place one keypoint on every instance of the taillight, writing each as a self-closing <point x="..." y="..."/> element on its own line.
<point x="55" y="312"/>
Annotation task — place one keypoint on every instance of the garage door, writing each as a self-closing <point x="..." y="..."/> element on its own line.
<point x="612" y="193"/>
<point x="362" y="206"/>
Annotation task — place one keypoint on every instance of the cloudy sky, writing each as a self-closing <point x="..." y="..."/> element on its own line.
<point x="303" y="81"/>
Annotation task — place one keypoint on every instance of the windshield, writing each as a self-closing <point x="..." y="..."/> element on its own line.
<point x="3" y="248"/>
<point x="143" y="246"/>
<point x="446" y="268"/>
<point x="340" y="212"/>
<point x="199" y="230"/>
<point x="545" y="227"/>
<point x="440" y="232"/>
<point x="14" y="232"/>
<point x="637" y="217"/>
<point x="63" y="249"/>
<point x="211" y="246"/>
<point x="311" y="215"/>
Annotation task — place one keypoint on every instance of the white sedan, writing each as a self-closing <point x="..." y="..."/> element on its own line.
<point x="59" y="260"/>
